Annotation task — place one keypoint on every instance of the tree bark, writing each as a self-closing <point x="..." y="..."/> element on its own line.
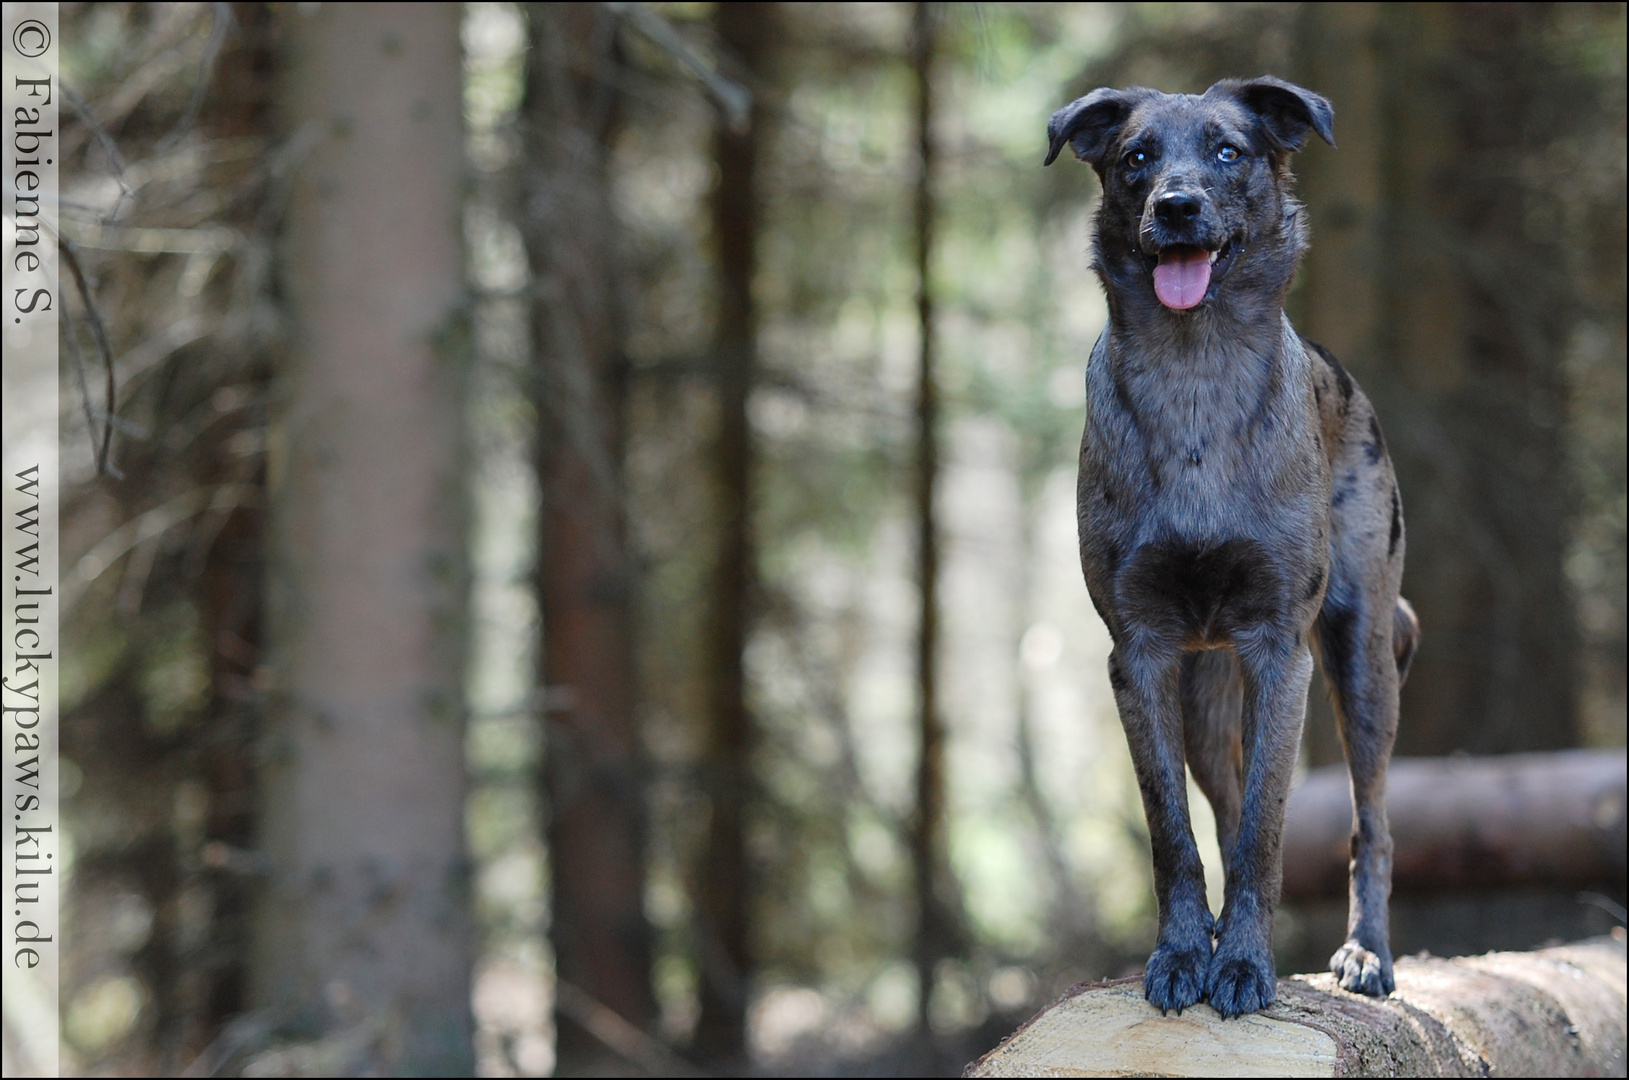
<point x="724" y="950"/>
<point x="593" y="764"/>
<point x="1469" y="823"/>
<point x="1555" y="1012"/>
<point x="363" y="927"/>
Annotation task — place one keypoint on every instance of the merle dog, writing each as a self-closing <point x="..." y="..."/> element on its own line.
<point x="1237" y="511"/>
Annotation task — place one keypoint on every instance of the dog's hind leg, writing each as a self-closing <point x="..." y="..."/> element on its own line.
<point x="1212" y="707"/>
<point x="1366" y="636"/>
<point x="1365" y="639"/>
<point x="1145" y="683"/>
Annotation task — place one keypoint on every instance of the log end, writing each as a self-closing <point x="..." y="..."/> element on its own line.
<point x="1108" y="1029"/>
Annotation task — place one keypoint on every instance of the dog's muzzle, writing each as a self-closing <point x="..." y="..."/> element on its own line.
<point x="1182" y="255"/>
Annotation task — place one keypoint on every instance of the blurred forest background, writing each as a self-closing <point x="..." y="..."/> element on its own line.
<point x="576" y="568"/>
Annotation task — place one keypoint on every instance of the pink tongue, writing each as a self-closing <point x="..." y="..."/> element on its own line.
<point x="1181" y="278"/>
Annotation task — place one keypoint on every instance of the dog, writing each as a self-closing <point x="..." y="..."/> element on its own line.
<point x="1238" y="512"/>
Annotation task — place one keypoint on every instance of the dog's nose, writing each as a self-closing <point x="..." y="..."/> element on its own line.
<point x="1177" y="208"/>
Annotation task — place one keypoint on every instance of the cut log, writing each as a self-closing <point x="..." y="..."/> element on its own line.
<point x="1460" y="823"/>
<point x="1554" y="1012"/>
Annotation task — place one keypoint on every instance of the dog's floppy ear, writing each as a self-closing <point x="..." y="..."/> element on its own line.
<point x="1089" y="123"/>
<point x="1287" y="111"/>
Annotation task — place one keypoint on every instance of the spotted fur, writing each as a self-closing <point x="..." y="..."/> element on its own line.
<point x="1238" y="513"/>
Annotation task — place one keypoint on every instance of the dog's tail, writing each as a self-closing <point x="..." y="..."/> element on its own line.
<point x="1405" y="637"/>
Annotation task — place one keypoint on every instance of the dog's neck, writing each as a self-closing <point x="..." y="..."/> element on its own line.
<point x="1209" y="343"/>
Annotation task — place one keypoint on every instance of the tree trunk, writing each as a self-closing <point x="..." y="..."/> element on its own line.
<point x="724" y="947"/>
<point x="1337" y="302"/>
<point x="1479" y="320"/>
<point x="1555" y="1012"/>
<point x="935" y="929"/>
<point x="593" y="765"/>
<point x="1430" y="277"/>
<point x="363" y="929"/>
<point x="240" y="104"/>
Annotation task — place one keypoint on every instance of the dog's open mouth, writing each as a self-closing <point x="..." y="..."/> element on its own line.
<point x="1183" y="274"/>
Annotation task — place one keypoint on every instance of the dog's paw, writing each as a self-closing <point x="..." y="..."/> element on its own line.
<point x="1176" y="975"/>
<point x="1361" y="971"/>
<point x="1240" y="984"/>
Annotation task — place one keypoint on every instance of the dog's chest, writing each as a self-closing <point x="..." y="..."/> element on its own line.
<point x="1206" y="498"/>
<point x="1210" y="458"/>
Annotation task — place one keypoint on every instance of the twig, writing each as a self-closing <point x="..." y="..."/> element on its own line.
<point x="220" y="25"/>
<point x="129" y="427"/>
<point x="84" y="387"/>
<point x="105" y="141"/>
<point x="244" y="1031"/>
<point x="733" y="99"/>
<point x="1606" y="904"/>
<point x="145" y="527"/>
<point x="618" y="1035"/>
<point x="66" y="246"/>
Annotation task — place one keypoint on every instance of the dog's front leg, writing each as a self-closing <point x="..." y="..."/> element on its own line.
<point x="1145" y="688"/>
<point x="1277" y="668"/>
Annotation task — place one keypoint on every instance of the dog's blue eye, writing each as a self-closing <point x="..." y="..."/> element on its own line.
<point x="1226" y="154"/>
<point x="1136" y="159"/>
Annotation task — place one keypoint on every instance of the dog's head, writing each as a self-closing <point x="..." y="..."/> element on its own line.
<point x="1196" y="188"/>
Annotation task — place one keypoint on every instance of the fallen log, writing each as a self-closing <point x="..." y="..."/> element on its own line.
<point x="1554" y="1012"/>
<point x="1470" y="823"/>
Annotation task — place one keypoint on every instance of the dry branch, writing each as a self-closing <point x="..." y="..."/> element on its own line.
<point x="1555" y="1012"/>
<point x="1459" y="823"/>
<point x="732" y="99"/>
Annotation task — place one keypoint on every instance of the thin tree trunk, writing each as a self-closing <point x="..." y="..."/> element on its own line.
<point x="1517" y="686"/>
<point x="934" y="932"/>
<point x="1338" y="301"/>
<point x="593" y="765"/>
<point x="1428" y="277"/>
<point x="241" y="103"/>
<point x="724" y="949"/>
<point x="364" y="927"/>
